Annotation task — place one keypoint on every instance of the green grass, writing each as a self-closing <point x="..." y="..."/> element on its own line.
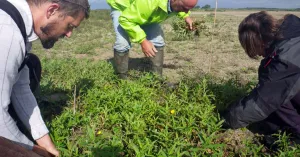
<point x="133" y="118"/>
<point x="100" y="115"/>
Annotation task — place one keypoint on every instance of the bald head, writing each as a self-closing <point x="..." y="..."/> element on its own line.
<point x="189" y="3"/>
<point x="183" y="5"/>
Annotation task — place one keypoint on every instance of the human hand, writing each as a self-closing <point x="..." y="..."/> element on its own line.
<point x="46" y="147"/>
<point x="148" y="48"/>
<point x="189" y="22"/>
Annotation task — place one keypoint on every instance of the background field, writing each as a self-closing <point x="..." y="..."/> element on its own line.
<point x="92" y="113"/>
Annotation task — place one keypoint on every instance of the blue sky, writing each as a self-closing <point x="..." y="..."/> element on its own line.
<point x="101" y="4"/>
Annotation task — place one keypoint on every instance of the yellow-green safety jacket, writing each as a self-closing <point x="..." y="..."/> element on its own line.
<point x="135" y="13"/>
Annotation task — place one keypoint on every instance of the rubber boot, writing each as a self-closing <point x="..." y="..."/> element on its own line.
<point x="121" y="64"/>
<point x="158" y="61"/>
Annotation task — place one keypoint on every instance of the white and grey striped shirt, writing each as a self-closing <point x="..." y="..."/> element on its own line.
<point x="13" y="85"/>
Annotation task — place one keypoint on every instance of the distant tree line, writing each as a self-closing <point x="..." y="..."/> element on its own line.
<point x="205" y="7"/>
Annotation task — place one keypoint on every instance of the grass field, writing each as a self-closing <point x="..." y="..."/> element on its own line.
<point x="92" y="113"/>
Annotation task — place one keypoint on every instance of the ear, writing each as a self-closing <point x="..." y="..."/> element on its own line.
<point x="52" y="9"/>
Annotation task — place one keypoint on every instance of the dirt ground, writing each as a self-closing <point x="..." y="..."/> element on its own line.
<point x="218" y="54"/>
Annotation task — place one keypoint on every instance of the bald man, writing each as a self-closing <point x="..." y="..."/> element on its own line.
<point x="138" y="21"/>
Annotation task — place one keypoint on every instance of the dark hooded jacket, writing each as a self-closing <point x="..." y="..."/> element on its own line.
<point x="279" y="83"/>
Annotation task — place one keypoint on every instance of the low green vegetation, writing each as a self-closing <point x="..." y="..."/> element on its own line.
<point x="101" y="115"/>
<point x="92" y="113"/>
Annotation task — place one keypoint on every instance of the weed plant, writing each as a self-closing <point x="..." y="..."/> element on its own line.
<point x="105" y="116"/>
<point x="92" y="113"/>
<point x="183" y="33"/>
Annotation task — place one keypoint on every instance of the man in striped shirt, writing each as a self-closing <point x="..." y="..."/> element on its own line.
<point x="47" y="20"/>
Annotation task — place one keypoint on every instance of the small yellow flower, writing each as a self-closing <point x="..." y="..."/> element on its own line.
<point x="99" y="132"/>
<point x="209" y="151"/>
<point x="172" y="111"/>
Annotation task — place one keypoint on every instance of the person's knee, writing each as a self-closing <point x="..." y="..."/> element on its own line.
<point x="155" y="35"/>
<point x="121" y="45"/>
<point x="122" y="42"/>
<point x="121" y="53"/>
<point x="158" y="41"/>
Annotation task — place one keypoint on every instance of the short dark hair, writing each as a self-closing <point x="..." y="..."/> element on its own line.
<point x="68" y="7"/>
<point x="256" y="30"/>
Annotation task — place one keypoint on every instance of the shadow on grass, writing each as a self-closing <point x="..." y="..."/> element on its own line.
<point x="52" y="101"/>
<point x="225" y="92"/>
<point x="142" y="64"/>
<point x="228" y="92"/>
<point x="139" y="64"/>
<point x="108" y="152"/>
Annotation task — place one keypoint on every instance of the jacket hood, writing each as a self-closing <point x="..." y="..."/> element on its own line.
<point x="290" y="27"/>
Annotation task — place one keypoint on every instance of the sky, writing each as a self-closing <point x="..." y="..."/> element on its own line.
<point x="101" y="4"/>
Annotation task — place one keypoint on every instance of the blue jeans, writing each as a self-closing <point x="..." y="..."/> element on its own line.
<point x="153" y="31"/>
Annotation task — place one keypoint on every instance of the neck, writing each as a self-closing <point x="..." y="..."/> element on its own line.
<point x="36" y="16"/>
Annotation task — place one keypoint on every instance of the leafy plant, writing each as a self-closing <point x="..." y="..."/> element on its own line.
<point x="182" y="31"/>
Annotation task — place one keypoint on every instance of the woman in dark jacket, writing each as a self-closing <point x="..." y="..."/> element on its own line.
<point x="275" y="102"/>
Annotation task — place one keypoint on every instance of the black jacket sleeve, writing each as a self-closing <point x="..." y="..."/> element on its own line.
<point x="278" y="84"/>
